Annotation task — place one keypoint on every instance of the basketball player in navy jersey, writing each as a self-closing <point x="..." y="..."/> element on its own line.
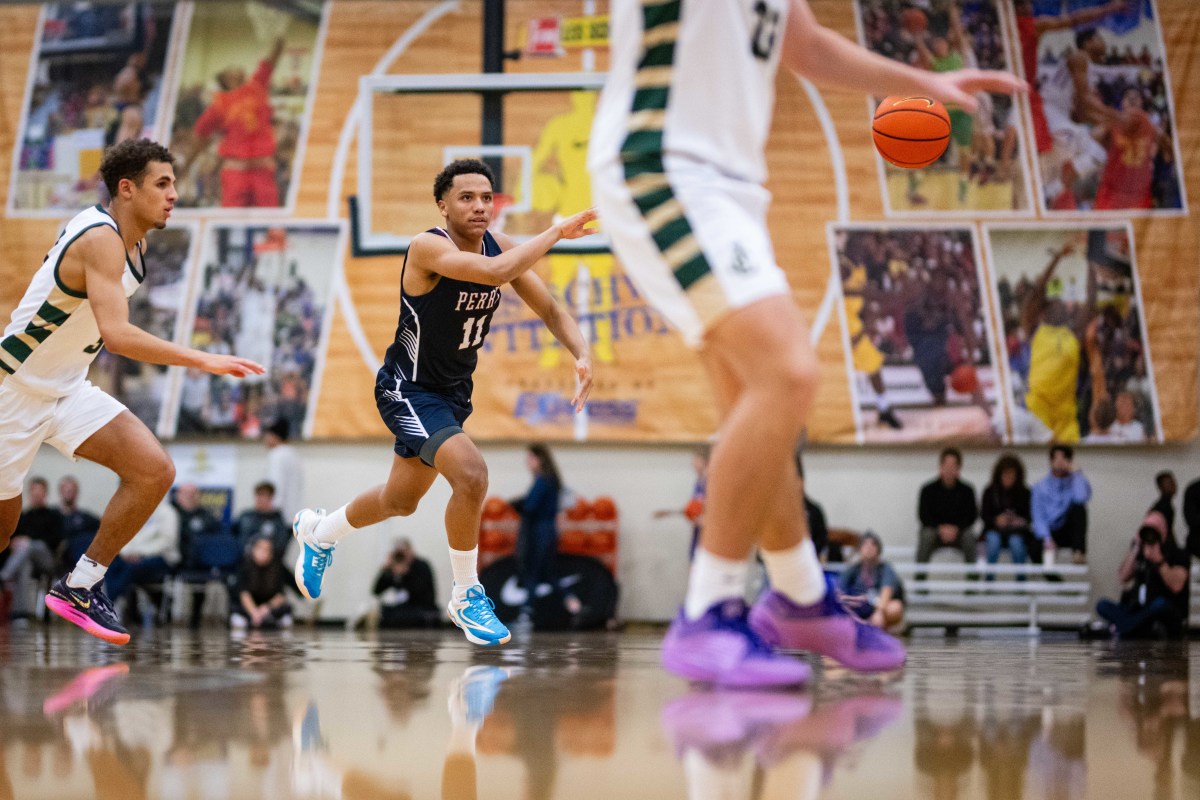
<point x="449" y="289"/>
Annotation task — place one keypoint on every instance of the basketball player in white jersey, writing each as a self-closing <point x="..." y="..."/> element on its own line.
<point x="77" y="303"/>
<point x="678" y="166"/>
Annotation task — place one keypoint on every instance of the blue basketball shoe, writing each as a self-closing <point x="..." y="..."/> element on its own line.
<point x="314" y="556"/>
<point x="476" y="615"/>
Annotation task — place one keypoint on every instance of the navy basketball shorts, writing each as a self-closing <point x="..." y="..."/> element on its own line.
<point x="420" y="421"/>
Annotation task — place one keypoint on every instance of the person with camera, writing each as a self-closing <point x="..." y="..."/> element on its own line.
<point x="405" y="590"/>
<point x="1156" y="571"/>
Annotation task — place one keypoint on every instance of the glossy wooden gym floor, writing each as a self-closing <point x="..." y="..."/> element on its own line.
<point x="328" y="714"/>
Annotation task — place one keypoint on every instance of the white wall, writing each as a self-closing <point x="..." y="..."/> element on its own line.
<point x="859" y="488"/>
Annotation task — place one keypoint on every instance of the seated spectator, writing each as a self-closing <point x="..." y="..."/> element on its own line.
<point x="1156" y="572"/>
<point x="35" y="549"/>
<point x="1191" y="516"/>
<point x="872" y="588"/>
<point x="148" y="558"/>
<point x="1165" y="504"/>
<point x="197" y="527"/>
<point x="260" y="601"/>
<point x="1059" y="504"/>
<point x="1005" y="512"/>
<point x="263" y="520"/>
<point x="79" y="526"/>
<point x="947" y="511"/>
<point x="405" y="591"/>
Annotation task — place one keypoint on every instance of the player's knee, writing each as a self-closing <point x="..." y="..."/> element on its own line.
<point x="472" y="481"/>
<point x="796" y="376"/>
<point x="399" y="505"/>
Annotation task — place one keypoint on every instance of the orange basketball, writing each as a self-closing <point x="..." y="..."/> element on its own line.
<point x="911" y="132"/>
<point x="964" y="379"/>
<point x="914" y="20"/>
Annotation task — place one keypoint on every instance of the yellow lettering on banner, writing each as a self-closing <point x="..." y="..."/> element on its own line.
<point x="585" y="32"/>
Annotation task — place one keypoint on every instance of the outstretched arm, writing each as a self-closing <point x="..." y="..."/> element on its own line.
<point x="562" y="325"/>
<point x="1078" y="18"/>
<point x="1035" y="301"/>
<point x="829" y="59"/>
<point x="439" y="255"/>
<point x="100" y="256"/>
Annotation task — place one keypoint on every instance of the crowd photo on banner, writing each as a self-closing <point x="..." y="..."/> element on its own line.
<point x="916" y="333"/>
<point x="97" y="81"/>
<point x="263" y="294"/>
<point x="1100" y="106"/>
<point x="242" y="102"/>
<point x="1077" y="357"/>
<point x="983" y="169"/>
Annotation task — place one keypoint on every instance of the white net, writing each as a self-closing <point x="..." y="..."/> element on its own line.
<point x="267" y="22"/>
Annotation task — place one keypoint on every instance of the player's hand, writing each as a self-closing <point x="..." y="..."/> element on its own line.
<point x="236" y="366"/>
<point x="573" y="227"/>
<point x="959" y="88"/>
<point x="583" y="370"/>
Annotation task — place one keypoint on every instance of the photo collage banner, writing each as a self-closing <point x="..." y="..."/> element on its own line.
<point x="1029" y="286"/>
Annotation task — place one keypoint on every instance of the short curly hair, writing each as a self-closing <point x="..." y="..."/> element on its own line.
<point x="463" y="166"/>
<point x="129" y="159"/>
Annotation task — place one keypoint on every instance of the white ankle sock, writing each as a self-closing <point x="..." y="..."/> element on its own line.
<point x="712" y="580"/>
<point x="796" y="572"/>
<point x="87" y="573"/>
<point x="464" y="565"/>
<point x="333" y="527"/>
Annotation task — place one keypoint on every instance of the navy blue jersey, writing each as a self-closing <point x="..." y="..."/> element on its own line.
<point x="440" y="332"/>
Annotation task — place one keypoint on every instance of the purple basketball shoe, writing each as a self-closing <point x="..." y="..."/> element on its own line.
<point x="721" y="649"/>
<point x="826" y="628"/>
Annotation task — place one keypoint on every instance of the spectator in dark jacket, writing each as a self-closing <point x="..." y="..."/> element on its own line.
<point x="1191" y="516"/>
<point x="1156" y="571"/>
<point x="260" y="599"/>
<point x="264" y="519"/>
<point x="1005" y="512"/>
<point x="947" y="510"/>
<point x="537" y="539"/>
<point x="35" y="548"/>
<point x="79" y="526"/>
<point x="405" y="590"/>
<point x="1165" y="504"/>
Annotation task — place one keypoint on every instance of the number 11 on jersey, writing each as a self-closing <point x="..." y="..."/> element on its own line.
<point x="478" y="324"/>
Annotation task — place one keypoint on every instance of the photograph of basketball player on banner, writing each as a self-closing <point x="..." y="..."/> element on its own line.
<point x="916" y="334"/>
<point x="1100" y="106"/>
<point x="263" y="293"/>
<point x="1077" y="358"/>
<point x="95" y="80"/>
<point x="158" y="307"/>
<point x="983" y="170"/>
<point x="242" y="104"/>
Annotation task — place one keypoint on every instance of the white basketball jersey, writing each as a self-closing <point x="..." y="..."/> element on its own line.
<point x="693" y="78"/>
<point x="53" y="337"/>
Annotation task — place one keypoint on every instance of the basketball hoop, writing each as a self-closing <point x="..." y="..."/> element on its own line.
<point x="275" y="241"/>
<point x="267" y="22"/>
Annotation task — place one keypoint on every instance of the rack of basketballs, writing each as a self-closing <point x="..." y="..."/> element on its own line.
<point x="586" y="528"/>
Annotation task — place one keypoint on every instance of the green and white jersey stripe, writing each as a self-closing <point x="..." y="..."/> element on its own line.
<point x="53" y="337"/>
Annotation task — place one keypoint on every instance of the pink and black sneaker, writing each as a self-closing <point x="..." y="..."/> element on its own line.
<point x="826" y="628"/>
<point x="721" y="649"/>
<point x="90" y="609"/>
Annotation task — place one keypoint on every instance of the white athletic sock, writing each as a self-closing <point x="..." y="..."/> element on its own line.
<point x="712" y="580"/>
<point x="333" y="527"/>
<point x="796" y="572"/>
<point x="87" y="573"/>
<point x="462" y="737"/>
<point x="883" y="402"/>
<point x="464" y="565"/>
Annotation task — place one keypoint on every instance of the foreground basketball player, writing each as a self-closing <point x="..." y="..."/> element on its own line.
<point x="449" y="289"/>
<point x="678" y="166"/>
<point x="77" y="303"/>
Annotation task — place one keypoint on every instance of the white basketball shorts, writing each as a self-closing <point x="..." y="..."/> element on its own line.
<point x="693" y="239"/>
<point x="27" y="420"/>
